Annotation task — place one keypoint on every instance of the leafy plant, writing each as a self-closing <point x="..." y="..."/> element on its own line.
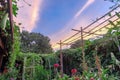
<point x="41" y="73"/>
<point x="11" y="74"/>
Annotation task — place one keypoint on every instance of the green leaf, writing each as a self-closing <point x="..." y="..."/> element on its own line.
<point x="3" y="22"/>
<point x="15" y="9"/>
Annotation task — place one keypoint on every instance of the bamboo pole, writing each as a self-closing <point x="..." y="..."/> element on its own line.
<point x="61" y="59"/>
<point x="11" y="18"/>
<point x="83" y="53"/>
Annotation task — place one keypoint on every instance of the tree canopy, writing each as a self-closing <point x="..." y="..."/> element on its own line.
<point x="35" y="42"/>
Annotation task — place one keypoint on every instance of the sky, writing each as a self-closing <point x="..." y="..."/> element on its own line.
<point x="56" y="18"/>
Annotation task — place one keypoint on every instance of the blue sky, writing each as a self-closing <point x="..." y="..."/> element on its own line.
<point x="56" y="13"/>
<point x="56" y="18"/>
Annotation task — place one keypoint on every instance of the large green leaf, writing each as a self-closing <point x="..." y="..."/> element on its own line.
<point x="4" y="20"/>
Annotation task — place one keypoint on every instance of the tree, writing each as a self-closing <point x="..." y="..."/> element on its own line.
<point x="35" y="42"/>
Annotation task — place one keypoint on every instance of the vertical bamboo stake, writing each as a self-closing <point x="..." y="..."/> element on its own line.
<point x="61" y="59"/>
<point x="83" y="53"/>
<point x="11" y="18"/>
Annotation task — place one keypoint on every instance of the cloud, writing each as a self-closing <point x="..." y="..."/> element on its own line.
<point x="88" y="3"/>
<point x="29" y="15"/>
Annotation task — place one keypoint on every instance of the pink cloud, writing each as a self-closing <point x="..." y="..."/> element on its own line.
<point x="29" y="15"/>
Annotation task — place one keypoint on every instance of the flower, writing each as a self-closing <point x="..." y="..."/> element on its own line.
<point x="56" y="65"/>
<point x="77" y="78"/>
<point x="92" y="78"/>
<point x="73" y="71"/>
<point x="11" y="78"/>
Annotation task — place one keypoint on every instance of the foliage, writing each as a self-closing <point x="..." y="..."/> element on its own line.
<point x="31" y="56"/>
<point x="5" y="27"/>
<point x="48" y="62"/>
<point x="30" y="64"/>
<point x="16" y="47"/>
<point x="66" y="77"/>
<point x="12" y="74"/>
<point x="15" y="7"/>
<point x="13" y="55"/>
<point x="76" y="44"/>
<point x="3" y="21"/>
<point x="35" y="43"/>
<point x="35" y="63"/>
<point x="104" y="75"/>
<point x="71" y="59"/>
<point x="110" y="42"/>
<point x="41" y="73"/>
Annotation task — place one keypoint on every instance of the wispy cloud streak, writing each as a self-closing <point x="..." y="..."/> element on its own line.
<point x="29" y="15"/>
<point x="88" y="3"/>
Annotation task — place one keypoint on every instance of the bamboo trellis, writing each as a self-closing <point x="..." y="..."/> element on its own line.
<point x="92" y="29"/>
<point x="30" y="67"/>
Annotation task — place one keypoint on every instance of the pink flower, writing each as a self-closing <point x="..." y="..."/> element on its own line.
<point x="56" y="65"/>
<point x="73" y="71"/>
<point x="11" y="78"/>
<point x="92" y="78"/>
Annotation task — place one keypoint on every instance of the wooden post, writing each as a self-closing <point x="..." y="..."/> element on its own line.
<point x="61" y="59"/>
<point x="83" y="53"/>
<point x="82" y="46"/>
<point x="82" y="41"/>
<point x="11" y="18"/>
